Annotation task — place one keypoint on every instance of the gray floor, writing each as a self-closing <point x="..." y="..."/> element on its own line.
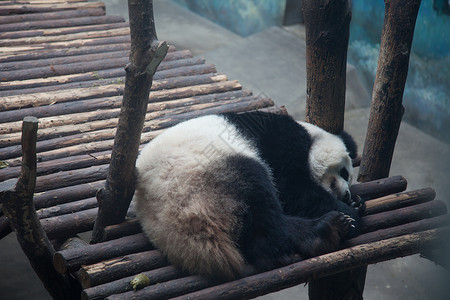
<point x="273" y="63"/>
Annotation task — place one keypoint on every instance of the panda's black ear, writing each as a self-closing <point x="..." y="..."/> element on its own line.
<point x="350" y="144"/>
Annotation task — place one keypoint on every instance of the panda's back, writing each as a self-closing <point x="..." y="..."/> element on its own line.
<point x="186" y="194"/>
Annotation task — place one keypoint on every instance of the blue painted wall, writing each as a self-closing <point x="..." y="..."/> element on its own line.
<point x="427" y="93"/>
<point x="243" y="17"/>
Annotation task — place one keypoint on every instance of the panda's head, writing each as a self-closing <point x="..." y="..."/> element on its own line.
<point x="330" y="160"/>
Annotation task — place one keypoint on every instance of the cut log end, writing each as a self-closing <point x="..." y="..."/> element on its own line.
<point x="59" y="263"/>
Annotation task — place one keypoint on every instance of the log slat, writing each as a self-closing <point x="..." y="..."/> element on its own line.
<point x="398" y="200"/>
<point x="79" y="13"/>
<point x="37" y="8"/>
<point x="123" y="285"/>
<point x="54" y="27"/>
<point x="116" y="268"/>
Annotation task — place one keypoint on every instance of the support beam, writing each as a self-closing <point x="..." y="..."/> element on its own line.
<point x="145" y="55"/>
<point x="17" y="199"/>
<point x="327" y="31"/>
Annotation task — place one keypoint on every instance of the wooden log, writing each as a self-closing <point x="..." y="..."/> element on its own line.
<point x="18" y="207"/>
<point x="53" y="53"/>
<point x="327" y="31"/>
<point x="403" y="215"/>
<point x="399" y="200"/>
<point x="66" y="195"/>
<point x="121" y="30"/>
<point x="52" y="15"/>
<point x="379" y="188"/>
<point x="386" y="109"/>
<point x="67" y="208"/>
<point x="166" y="290"/>
<point x="59" y="26"/>
<point x="120" y="267"/>
<point x="40" y="99"/>
<point x="87" y="42"/>
<point x="399" y="230"/>
<point x="123" y="285"/>
<point x="39" y="8"/>
<point x="18" y="38"/>
<point x="71" y="260"/>
<point x="73" y="177"/>
<point x="123" y="229"/>
<point x="313" y="268"/>
<point x="69" y="225"/>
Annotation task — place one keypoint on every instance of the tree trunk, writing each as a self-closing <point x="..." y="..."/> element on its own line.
<point x="327" y="31"/>
<point x="145" y="56"/>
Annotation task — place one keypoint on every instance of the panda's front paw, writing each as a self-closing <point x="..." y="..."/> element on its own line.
<point x="359" y="204"/>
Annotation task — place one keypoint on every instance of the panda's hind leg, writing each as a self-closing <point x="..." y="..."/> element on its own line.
<point x="269" y="238"/>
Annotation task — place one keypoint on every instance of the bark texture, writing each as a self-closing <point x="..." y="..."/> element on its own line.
<point x="17" y="199"/>
<point x="386" y="109"/>
<point x="145" y="55"/>
<point x="327" y="32"/>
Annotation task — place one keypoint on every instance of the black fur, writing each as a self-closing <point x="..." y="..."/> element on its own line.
<point x="296" y="215"/>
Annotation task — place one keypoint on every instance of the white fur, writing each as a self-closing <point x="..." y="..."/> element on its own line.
<point x="191" y="223"/>
<point x="328" y="155"/>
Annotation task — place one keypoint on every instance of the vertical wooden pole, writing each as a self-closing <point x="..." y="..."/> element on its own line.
<point x="145" y="55"/>
<point x="327" y="26"/>
<point x="17" y="199"/>
<point x="327" y="32"/>
<point x="386" y="110"/>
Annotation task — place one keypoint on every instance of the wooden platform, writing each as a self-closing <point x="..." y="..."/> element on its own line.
<point x="62" y="61"/>
<point x="64" y="64"/>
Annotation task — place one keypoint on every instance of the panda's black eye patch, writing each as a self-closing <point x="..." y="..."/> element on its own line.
<point x="344" y="174"/>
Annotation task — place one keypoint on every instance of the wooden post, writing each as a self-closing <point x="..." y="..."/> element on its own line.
<point x="387" y="110"/>
<point x="145" y="56"/>
<point x="327" y="31"/>
<point x="17" y="199"/>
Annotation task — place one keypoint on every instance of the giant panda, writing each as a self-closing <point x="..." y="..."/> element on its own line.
<point x="218" y="192"/>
